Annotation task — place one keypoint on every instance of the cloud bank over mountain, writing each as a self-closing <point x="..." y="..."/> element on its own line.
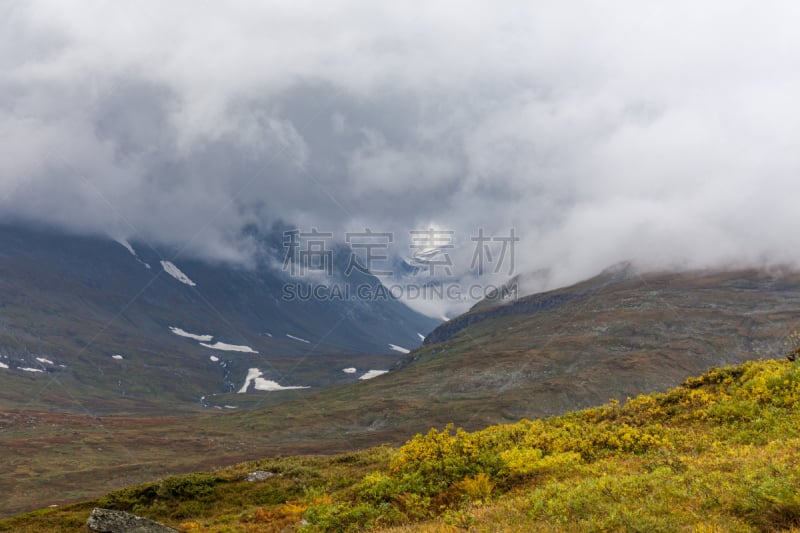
<point x="660" y="133"/>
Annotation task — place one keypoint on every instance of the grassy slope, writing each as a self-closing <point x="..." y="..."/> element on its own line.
<point x="621" y="339"/>
<point x="719" y="453"/>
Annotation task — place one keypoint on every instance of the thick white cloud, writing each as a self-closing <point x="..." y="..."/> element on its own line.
<point x="665" y="133"/>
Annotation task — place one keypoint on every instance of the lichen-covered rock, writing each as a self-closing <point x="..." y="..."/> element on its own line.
<point x="259" y="475"/>
<point x="110" y="521"/>
<point x="794" y="354"/>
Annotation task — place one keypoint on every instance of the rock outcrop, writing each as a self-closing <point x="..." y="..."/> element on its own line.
<point x="110" y="521"/>
<point x="259" y="475"/>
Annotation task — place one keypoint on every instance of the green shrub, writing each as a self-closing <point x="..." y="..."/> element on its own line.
<point x="191" y="487"/>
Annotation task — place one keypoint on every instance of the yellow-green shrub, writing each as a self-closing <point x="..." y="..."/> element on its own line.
<point x="478" y="487"/>
<point x="445" y="457"/>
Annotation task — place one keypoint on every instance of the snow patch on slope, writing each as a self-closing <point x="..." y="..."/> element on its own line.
<point x="176" y="273"/>
<point x="373" y="374"/>
<point x="421" y="336"/>
<point x="350" y="370"/>
<point x="45" y="361"/>
<point x="400" y="349"/>
<point x="298" y="339"/>
<point x="118" y="357"/>
<point x="3" y="365"/>
<point x="228" y="347"/>
<point x="205" y="339"/>
<point x="183" y="333"/>
<point x="128" y="247"/>
<point x="28" y="369"/>
<point x="259" y="383"/>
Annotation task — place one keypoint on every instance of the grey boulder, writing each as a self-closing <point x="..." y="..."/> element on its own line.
<point x="110" y="521"/>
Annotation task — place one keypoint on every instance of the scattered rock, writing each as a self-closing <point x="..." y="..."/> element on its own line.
<point x="794" y="354"/>
<point x="259" y="475"/>
<point x="110" y="521"/>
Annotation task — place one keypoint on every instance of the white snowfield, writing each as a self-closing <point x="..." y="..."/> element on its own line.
<point x="400" y="349"/>
<point x="373" y="374"/>
<point x="205" y="339"/>
<point x="3" y="365"/>
<point x="118" y="357"/>
<point x="183" y="333"/>
<point x="214" y="358"/>
<point x="27" y="369"/>
<point x="298" y="339"/>
<point x="176" y="273"/>
<point x="228" y="347"/>
<point x="421" y="336"/>
<point x="349" y="370"/>
<point x="128" y="247"/>
<point x="45" y="361"/>
<point x="259" y="383"/>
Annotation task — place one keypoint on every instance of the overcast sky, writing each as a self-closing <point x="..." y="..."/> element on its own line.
<point x="664" y="132"/>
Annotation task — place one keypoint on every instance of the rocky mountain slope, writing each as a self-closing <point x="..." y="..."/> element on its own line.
<point x="617" y="335"/>
<point x="93" y="324"/>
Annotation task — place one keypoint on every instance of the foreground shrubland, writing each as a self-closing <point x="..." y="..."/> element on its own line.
<point x="719" y="453"/>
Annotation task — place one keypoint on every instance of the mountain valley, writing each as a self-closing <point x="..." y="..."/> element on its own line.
<point x="617" y="335"/>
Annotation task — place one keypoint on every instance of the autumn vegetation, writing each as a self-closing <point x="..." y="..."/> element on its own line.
<point x="719" y="453"/>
